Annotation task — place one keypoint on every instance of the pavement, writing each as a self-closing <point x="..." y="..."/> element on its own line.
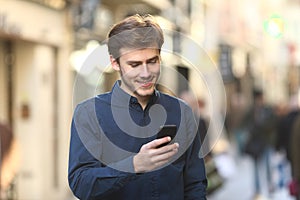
<point x="239" y="181"/>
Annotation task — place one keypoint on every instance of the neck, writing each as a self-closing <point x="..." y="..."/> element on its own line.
<point x="143" y="101"/>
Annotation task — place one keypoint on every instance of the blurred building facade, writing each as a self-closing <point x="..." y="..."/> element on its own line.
<point x="253" y="43"/>
<point x="36" y="84"/>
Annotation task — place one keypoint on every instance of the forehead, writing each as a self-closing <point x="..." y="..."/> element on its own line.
<point x="138" y="54"/>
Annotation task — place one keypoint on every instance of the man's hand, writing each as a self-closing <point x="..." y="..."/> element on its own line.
<point x="150" y="157"/>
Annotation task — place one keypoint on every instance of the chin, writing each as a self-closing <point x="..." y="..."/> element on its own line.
<point x="145" y="92"/>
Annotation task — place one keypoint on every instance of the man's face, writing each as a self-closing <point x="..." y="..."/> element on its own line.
<point x="139" y="71"/>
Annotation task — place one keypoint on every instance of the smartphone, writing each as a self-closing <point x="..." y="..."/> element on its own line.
<point x="166" y="130"/>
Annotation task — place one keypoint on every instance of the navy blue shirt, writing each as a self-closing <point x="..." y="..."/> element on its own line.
<point x="109" y="129"/>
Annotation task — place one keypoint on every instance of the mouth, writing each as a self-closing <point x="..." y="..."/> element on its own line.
<point x="146" y="85"/>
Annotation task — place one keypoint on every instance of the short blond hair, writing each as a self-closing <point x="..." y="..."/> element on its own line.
<point x="135" y="32"/>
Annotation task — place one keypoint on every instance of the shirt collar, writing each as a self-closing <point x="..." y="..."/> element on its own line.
<point x="122" y="98"/>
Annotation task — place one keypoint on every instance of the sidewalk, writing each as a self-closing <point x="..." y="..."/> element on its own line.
<point x="240" y="185"/>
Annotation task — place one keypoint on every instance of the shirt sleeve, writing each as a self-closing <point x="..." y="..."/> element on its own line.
<point x="88" y="177"/>
<point x="195" y="180"/>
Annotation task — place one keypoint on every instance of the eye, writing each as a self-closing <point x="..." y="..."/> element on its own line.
<point x="153" y="61"/>
<point x="134" y="64"/>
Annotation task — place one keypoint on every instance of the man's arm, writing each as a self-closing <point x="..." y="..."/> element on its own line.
<point x="88" y="177"/>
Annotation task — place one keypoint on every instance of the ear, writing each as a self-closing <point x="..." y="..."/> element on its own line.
<point x="115" y="65"/>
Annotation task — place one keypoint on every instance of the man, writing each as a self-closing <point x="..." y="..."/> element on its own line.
<point x="114" y="153"/>
<point x="9" y="161"/>
<point x="295" y="158"/>
<point x="260" y="121"/>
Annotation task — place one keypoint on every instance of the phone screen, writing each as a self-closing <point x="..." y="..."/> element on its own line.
<point x="167" y="130"/>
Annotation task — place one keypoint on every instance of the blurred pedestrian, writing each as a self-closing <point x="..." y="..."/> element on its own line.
<point x="215" y="178"/>
<point x="114" y="150"/>
<point x="197" y="106"/>
<point x="261" y="125"/>
<point x="285" y="125"/>
<point x="295" y="156"/>
<point x="9" y="155"/>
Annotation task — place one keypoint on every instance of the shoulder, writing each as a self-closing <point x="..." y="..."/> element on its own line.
<point x="90" y="103"/>
<point x="86" y="104"/>
<point x="172" y="99"/>
<point x="175" y="104"/>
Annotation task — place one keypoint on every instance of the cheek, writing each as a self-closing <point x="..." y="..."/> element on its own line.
<point x="156" y="71"/>
<point x="129" y="72"/>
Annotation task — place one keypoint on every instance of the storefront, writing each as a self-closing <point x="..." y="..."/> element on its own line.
<point x="36" y="86"/>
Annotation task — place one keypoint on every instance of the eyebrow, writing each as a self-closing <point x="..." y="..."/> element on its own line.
<point x="140" y="62"/>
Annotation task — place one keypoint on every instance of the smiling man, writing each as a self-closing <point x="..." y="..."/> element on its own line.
<point x="114" y="152"/>
<point x="139" y="71"/>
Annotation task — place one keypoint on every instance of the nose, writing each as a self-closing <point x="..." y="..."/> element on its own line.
<point x="144" y="71"/>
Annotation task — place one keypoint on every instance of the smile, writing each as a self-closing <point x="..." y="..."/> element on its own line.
<point x="146" y="84"/>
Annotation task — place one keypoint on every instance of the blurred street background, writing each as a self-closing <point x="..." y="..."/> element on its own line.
<point x="253" y="44"/>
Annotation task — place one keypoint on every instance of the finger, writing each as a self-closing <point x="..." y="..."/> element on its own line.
<point x="159" y="164"/>
<point x="165" y="157"/>
<point x="167" y="148"/>
<point x="155" y="143"/>
<point x="163" y="150"/>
